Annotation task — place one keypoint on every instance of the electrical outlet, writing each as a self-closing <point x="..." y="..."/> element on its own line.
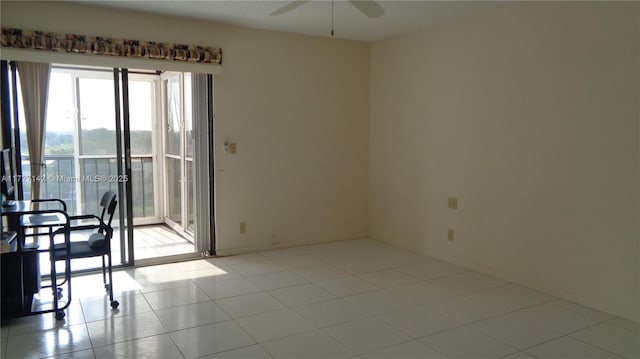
<point x="243" y="227"/>
<point x="450" y="234"/>
<point x="453" y="202"/>
<point x="230" y="147"/>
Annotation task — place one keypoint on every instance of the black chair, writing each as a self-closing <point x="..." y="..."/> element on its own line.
<point x="97" y="245"/>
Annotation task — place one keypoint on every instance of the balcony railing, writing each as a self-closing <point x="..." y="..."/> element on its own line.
<point x="82" y="189"/>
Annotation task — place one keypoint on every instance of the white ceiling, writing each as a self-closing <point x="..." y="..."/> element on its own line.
<point x="314" y="17"/>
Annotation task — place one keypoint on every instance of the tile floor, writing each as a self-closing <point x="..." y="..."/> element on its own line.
<point x="350" y="299"/>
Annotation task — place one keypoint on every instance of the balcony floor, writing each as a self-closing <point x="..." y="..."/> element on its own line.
<point x="159" y="241"/>
<point x="150" y="241"/>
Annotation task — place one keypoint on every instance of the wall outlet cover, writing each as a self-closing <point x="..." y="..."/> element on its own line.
<point x="452" y="202"/>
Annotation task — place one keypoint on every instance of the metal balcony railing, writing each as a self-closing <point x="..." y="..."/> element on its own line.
<point x="82" y="189"/>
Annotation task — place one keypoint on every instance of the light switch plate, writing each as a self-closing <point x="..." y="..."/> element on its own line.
<point x="453" y="202"/>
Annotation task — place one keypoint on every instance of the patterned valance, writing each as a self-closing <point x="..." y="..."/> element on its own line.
<point x="104" y="46"/>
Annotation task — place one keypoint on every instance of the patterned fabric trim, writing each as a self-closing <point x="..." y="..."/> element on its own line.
<point x="104" y="46"/>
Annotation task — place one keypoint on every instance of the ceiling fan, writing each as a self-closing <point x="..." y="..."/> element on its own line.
<point x="369" y="8"/>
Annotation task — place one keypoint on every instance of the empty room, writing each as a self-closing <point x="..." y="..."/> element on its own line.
<point x="320" y="179"/>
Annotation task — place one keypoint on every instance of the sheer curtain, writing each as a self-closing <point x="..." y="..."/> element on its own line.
<point x="34" y="80"/>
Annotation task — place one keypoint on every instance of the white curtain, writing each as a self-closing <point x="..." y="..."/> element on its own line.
<point x="34" y="80"/>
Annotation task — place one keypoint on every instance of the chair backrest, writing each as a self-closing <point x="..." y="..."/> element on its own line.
<point x="108" y="204"/>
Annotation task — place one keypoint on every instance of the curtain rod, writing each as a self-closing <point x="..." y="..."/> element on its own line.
<point x="102" y="69"/>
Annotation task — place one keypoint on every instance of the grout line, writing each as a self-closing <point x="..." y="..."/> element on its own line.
<point x="518" y="352"/>
<point x="554" y="339"/>
<point x="323" y="330"/>
<point x="167" y="332"/>
<point x="593" y="344"/>
<point x="411" y="340"/>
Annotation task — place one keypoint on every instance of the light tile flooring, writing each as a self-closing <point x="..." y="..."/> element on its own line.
<point x="350" y="299"/>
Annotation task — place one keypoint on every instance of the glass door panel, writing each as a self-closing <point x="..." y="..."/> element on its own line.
<point x="173" y="126"/>
<point x="59" y="145"/>
<point x="141" y="112"/>
<point x="178" y="155"/>
<point x="173" y="190"/>
<point x="189" y="199"/>
<point x="97" y="141"/>
<point x="142" y="95"/>
<point x="143" y="188"/>
<point x="188" y="118"/>
<point x="97" y="113"/>
<point x="173" y="149"/>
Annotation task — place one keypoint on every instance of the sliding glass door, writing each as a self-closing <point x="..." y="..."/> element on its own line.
<point x="178" y="152"/>
<point x="133" y="134"/>
<point x="81" y="159"/>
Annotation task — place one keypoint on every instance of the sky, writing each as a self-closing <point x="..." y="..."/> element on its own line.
<point x="96" y="103"/>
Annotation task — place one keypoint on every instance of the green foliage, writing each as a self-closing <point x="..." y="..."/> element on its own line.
<point x="61" y="149"/>
<point x="56" y="143"/>
<point x="99" y="141"/>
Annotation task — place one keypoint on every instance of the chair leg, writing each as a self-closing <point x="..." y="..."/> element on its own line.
<point x="67" y="278"/>
<point x="114" y="303"/>
<point x="104" y="275"/>
<point x="54" y="283"/>
<point x="60" y="314"/>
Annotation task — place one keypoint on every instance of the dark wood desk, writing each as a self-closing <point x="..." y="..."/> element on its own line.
<point x="20" y="267"/>
<point x="20" y="278"/>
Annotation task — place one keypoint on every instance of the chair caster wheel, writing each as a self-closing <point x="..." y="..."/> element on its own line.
<point x="60" y="315"/>
<point x="115" y="304"/>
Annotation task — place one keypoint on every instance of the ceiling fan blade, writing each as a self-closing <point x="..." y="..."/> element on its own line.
<point x="290" y="6"/>
<point x="369" y="8"/>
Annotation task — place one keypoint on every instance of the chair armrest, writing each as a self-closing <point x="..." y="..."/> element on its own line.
<point x="84" y="227"/>
<point x="64" y="205"/>
<point x="86" y="216"/>
<point x="79" y="228"/>
<point x="95" y="219"/>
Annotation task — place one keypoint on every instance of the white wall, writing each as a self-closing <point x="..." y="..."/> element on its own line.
<point x="529" y="115"/>
<point x="297" y="107"/>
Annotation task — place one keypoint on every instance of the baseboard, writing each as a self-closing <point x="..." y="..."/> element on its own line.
<point x="268" y="247"/>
